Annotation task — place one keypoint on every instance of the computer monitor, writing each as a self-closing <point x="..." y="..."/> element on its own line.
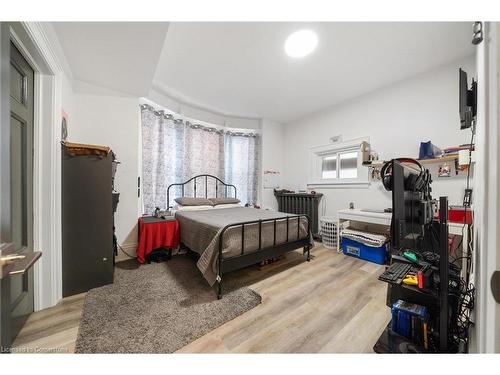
<point x="411" y="208"/>
<point x="467" y="100"/>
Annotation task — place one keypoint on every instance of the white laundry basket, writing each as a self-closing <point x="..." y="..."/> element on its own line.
<point x="329" y="232"/>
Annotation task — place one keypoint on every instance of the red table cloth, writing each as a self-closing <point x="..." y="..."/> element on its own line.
<point x="155" y="235"/>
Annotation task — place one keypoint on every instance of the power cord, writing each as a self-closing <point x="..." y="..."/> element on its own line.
<point x="459" y="330"/>
<point x="467" y="205"/>
<point x="127" y="254"/>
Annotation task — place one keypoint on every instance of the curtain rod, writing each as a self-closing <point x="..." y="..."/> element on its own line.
<point x="179" y="120"/>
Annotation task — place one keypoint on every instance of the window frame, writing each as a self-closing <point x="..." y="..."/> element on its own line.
<point x="316" y="155"/>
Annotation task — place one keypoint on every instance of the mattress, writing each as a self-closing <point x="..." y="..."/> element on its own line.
<point x="200" y="231"/>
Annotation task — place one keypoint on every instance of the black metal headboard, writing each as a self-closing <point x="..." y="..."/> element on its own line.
<point x="206" y="178"/>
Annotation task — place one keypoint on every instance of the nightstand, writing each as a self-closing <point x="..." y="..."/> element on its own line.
<point x="156" y="233"/>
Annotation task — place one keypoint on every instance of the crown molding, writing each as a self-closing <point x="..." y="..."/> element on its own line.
<point x="183" y="100"/>
<point x="48" y="46"/>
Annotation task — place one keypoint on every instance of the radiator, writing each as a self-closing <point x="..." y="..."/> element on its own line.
<point x="301" y="203"/>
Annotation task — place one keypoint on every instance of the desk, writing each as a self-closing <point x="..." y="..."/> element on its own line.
<point x="156" y="233"/>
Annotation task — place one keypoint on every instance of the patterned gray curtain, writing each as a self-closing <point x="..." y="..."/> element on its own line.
<point x="174" y="150"/>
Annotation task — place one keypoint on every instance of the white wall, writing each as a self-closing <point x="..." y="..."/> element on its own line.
<point x="68" y="96"/>
<point x="396" y="119"/>
<point x="273" y="149"/>
<point x="113" y="121"/>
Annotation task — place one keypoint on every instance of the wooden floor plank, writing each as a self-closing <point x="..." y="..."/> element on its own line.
<point x="332" y="304"/>
<point x="349" y="339"/>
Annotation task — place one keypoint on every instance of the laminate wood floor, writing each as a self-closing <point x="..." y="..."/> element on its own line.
<point x="333" y="304"/>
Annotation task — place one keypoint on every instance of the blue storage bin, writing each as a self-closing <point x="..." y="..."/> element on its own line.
<point x="362" y="251"/>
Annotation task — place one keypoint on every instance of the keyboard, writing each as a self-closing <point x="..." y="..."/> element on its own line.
<point x="395" y="272"/>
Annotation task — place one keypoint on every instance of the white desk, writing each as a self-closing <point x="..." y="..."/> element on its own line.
<point x="359" y="215"/>
<point x="356" y="214"/>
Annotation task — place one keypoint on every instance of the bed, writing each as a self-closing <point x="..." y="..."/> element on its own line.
<point x="228" y="239"/>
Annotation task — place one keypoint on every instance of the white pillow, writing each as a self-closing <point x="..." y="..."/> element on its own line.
<point x="193" y="208"/>
<point x="227" y="205"/>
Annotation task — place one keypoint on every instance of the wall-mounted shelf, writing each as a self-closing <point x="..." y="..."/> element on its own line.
<point x="441" y="159"/>
<point x="376" y="165"/>
<point x="451" y="158"/>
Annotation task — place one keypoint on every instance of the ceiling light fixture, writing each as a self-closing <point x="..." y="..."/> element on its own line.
<point x="301" y="43"/>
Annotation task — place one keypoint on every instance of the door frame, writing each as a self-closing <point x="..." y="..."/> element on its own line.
<point x="32" y="41"/>
<point x="486" y="332"/>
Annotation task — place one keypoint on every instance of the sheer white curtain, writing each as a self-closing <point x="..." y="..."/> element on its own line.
<point x="241" y="165"/>
<point x="174" y="150"/>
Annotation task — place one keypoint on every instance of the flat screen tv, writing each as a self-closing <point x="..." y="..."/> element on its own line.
<point x="467" y="100"/>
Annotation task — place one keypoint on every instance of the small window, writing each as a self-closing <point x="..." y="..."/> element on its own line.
<point x="348" y="164"/>
<point x="329" y="167"/>
<point x="339" y="164"/>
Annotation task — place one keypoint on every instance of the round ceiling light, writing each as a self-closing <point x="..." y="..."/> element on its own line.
<point x="301" y="43"/>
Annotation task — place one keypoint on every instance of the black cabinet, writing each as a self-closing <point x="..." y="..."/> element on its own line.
<point x="87" y="218"/>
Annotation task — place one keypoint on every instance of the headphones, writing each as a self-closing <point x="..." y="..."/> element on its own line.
<point x="413" y="182"/>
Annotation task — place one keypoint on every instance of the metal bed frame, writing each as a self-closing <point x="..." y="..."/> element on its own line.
<point x="245" y="259"/>
<point x="217" y="180"/>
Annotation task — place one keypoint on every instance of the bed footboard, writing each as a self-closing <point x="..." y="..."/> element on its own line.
<point x="245" y="259"/>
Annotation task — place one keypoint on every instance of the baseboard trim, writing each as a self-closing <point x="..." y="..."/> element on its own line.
<point x="130" y="248"/>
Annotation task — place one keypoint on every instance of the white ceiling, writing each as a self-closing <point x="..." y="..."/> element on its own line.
<point x="241" y="68"/>
<point x="119" y="56"/>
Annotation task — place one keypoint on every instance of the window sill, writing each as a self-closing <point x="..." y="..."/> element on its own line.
<point x="339" y="185"/>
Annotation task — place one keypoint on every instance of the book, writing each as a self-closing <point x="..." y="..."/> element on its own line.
<point x="410" y="320"/>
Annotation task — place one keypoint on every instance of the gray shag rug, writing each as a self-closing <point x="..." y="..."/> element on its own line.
<point x="157" y="308"/>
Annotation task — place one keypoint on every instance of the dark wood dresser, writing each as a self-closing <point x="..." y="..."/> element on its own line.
<point x="87" y="218"/>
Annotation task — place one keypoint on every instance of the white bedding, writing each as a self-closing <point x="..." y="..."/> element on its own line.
<point x="191" y="208"/>
<point x="227" y="205"/>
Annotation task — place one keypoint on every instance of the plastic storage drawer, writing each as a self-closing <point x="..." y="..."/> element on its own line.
<point x="362" y="251"/>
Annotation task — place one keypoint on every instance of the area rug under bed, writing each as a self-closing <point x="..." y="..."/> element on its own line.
<point x="156" y="308"/>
